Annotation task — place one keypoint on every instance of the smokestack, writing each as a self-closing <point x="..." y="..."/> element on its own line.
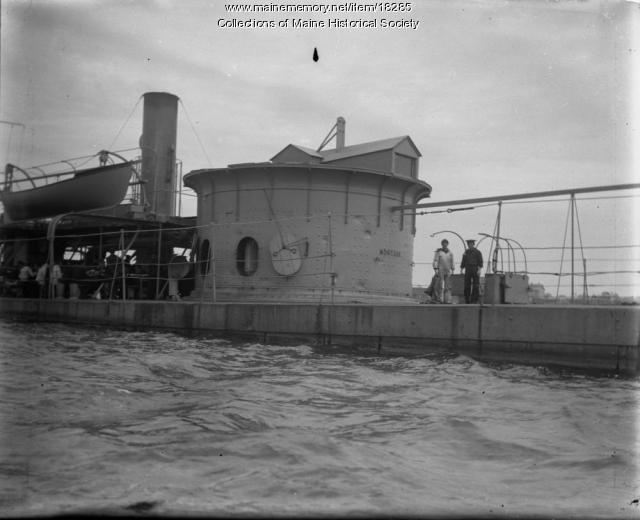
<point x="158" y="144"/>
<point x="340" y="126"/>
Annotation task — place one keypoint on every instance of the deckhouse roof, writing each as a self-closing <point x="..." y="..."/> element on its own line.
<point x="367" y="148"/>
<point x="355" y="150"/>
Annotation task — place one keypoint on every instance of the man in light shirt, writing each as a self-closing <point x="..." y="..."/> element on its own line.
<point x="443" y="266"/>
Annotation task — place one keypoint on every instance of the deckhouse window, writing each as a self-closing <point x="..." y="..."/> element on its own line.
<point x="247" y="256"/>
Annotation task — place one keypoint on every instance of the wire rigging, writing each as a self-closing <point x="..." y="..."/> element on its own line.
<point x="193" y="128"/>
<point x="124" y="124"/>
<point x="584" y="260"/>
<point x="564" y="241"/>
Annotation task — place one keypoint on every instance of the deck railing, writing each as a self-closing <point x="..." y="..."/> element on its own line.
<point x="600" y="265"/>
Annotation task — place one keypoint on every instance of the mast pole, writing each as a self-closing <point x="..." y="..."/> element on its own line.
<point x="573" y="209"/>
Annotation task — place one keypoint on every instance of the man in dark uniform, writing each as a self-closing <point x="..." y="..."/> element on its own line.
<point x="471" y="263"/>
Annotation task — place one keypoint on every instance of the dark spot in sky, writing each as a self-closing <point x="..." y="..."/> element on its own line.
<point x="315" y="54"/>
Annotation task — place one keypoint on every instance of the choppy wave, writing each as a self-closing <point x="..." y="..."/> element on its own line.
<point x="103" y="420"/>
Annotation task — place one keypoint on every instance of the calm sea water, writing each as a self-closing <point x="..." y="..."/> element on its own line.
<point x="103" y="420"/>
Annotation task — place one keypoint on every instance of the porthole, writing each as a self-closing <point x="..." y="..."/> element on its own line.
<point x="247" y="256"/>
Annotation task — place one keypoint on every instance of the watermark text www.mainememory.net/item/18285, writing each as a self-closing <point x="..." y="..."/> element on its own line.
<point x="376" y="15"/>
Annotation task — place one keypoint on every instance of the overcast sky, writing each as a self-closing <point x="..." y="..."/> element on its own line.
<point x="499" y="96"/>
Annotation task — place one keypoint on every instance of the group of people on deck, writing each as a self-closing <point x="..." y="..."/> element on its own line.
<point x="104" y="279"/>
<point x="443" y="265"/>
<point x="34" y="282"/>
